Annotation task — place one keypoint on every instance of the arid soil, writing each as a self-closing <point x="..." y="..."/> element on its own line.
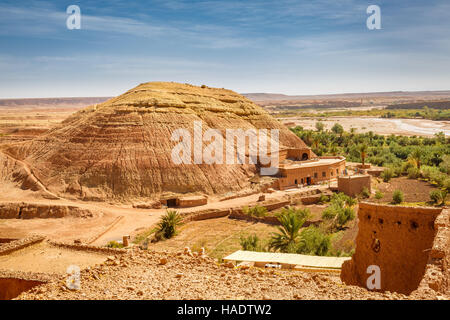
<point x="44" y="258"/>
<point x="220" y="237"/>
<point x="414" y="190"/>
<point x="154" y="275"/>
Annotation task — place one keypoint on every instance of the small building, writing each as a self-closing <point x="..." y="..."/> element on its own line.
<point x="354" y="185"/>
<point x="301" y="167"/>
<point x="176" y="201"/>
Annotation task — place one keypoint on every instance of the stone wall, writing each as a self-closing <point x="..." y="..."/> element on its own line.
<point x="400" y="241"/>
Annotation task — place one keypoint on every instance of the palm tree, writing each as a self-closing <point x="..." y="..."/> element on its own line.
<point x="416" y="157"/>
<point x="316" y="141"/>
<point x="168" y="224"/>
<point x="363" y="152"/>
<point x="308" y="137"/>
<point x="288" y="236"/>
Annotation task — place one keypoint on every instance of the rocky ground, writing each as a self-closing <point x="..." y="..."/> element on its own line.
<point x="148" y="274"/>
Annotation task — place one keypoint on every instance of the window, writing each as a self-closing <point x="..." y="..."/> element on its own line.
<point x="315" y="175"/>
<point x="331" y="172"/>
<point x="324" y="174"/>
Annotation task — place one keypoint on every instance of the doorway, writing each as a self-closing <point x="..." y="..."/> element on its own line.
<point x="171" y="203"/>
<point x="308" y="181"/>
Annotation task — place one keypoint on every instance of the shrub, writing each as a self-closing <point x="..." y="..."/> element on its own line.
<point x="256" y="211"/>
<point x="303" y="214"/>
<point x="323" y="199"/>
<point x="250" y="243"/>
<point x="387" y="174"/>
<point x="445" y="164"/>
<point x="406" y="166"/>
<point x="314" y="242"/>
<point x="365" y="193"/>
<point x="397" y="197"/>
<point x="379" y="195"/>
<point x="114" y="244"/>
<point x="344" y="216"/>
<point x="446" y="184"/>
<point x="438" y="196"/>
<point x="167" y="225"/>
<point x="413" y="173"/>
<point x="340" y="210"/>
<point x="330" y="212"/>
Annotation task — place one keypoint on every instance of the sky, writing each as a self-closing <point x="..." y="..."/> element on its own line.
<point x="297" y="47"/>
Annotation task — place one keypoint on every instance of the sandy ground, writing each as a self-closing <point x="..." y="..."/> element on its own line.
<point x="111" y="222"/>
<point x="408" y="127"/>
<point x="44" y="258"/>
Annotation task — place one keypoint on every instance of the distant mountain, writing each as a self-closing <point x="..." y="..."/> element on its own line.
<point x="263" y="99"/>
<point x="393" y="94"/>
<point x="52" y="102"/>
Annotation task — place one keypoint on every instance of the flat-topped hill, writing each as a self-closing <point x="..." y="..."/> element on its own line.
<point x="121" y="149"/>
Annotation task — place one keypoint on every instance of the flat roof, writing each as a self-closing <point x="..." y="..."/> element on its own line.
<point x="319" y="162"/>
<point x="288" y="258"/>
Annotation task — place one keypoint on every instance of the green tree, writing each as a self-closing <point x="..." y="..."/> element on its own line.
<point x="319" y="126"/>
<point x="288" y="234"/>
<point x="416" y="157"/>
<point x="363" y="152"/>
<point x="314" y="242"/>
<point x="338" y="129"/>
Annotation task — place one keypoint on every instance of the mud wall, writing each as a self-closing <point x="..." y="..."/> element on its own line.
<point x="10" y="288"/>
<point x="398" y="240"/>
<point x="31" y="210"/>
<point x="437" y="271"/>
<point x="353" y="185"/>
<point x="15" y="245"/>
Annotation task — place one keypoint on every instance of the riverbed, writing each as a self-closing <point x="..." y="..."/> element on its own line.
<point x="408" y="127"/>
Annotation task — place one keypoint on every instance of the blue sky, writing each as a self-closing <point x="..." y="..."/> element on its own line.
<point x="284" y="46"/>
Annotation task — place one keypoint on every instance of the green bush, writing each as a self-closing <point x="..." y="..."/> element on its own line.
<point x="314" y="242"/>
<point x="438" y="196"/>
<point x="115" y="244"/>
<point x="331" y="211"/>
<point x="168" y="225"/>
<point x="387" y="174"/>
<point x="340" y="210"/>
<point x="413" y="173"/>
<point x="323" y="199"/>
<point x="345" y="215"/>
<point x="302" y="214"/>
<point x="365" y="194"/>
<point x="379" y="195"/>
<point x="256" y="211"/>
<point x="397" y="197"/>
<point x="250" y="243"/>
<point x="406" y="166"/>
